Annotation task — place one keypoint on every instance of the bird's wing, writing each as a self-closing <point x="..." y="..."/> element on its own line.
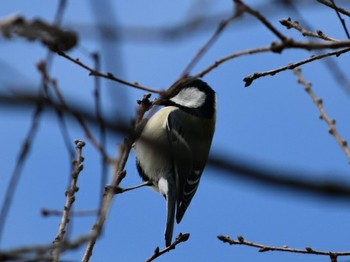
<point x="187" y="175"/>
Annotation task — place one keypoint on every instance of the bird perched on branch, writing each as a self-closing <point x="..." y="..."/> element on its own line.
<point x="174" y="145"/>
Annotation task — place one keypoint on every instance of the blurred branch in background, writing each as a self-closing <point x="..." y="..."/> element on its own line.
<point x="229" y="166"/>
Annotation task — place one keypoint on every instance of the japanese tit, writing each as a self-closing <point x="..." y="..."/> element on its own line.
<point x="182" y="132"/>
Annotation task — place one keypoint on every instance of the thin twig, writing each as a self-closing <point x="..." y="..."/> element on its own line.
<point x="118" y="176"/>
<point x="231" y="57"/>
<point x="338" y="9"/>
<point x="108" y="75"/>
<point x="324" y="116"/>
<point x="342" y="21"/>
<point x="264" y="248"/>
<point x="338" y="73"/>
<point x="78" y="117"/>
<point x="102" y="127"/>
<point x="262" y="19"/>
<point x="249" y="79"/>
<point x="208" y="44"/>
<point x="288" y="23"/>
<point x="48" y="81"/>
<point x="23" y="154"/>
<point x="157" y="253"/>
<point x="70" y="198"/>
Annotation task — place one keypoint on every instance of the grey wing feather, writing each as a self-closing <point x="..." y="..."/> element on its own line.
<point x="186" y="176"/>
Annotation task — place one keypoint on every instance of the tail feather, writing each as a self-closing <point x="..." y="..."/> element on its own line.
<point x="170" y="219"/>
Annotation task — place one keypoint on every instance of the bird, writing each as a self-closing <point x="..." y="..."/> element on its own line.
<point x="174" y="146"/>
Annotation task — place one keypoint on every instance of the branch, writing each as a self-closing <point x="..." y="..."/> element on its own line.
<point x="100" y="147"/>
<point x="249" y="79"/>
<point x="342" y="21"/>
<point x="157" y="253"/>
<point x="229" y="166"/>
<point x="338" y="9"/>
<point x="264" y="248"/>
<point x="108" y="75"/>
<point x="118" y="176"/>
<point x="245" y="8"/>
<point x="209" y="43"/>
<point x="288" y="23"/>
<point x="70" y="198"/>
<point x="231" y="57"/>
<point x="324" y="116"/>
<point x="26" y="253"/>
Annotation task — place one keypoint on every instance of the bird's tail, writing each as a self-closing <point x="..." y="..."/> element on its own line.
<point x="170" y="218"/>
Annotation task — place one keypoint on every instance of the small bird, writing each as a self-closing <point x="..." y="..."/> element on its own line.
<point x="182" y="134"/>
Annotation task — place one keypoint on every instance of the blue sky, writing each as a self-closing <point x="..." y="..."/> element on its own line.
<point x="273" y="124"/>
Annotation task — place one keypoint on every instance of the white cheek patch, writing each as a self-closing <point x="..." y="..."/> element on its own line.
<point x="190" y="97"/>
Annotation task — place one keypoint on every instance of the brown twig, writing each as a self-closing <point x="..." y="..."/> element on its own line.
<point x="42" y="68"/>
<point x="338" y="9"/>
<point x="118" y="176"/>
<point x="231" y="57"/>
<point x="249" y="79"/>
<point x="264" y="248"/>
<point x="208" y="44"/>
<point x="16" y="174"/>
<point x="157" y="253"/>
<point x="342" y="21"/>
<point x="246" y="8"/>
<point x="70" y="198"/>
<point x="102" y="127"/>
<point x="108" y="75"/>
<point x="324" y="116"/>
<point x="288" y="23"/>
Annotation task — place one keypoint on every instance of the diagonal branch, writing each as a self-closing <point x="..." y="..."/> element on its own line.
<point x="108" y="75"/>
<point x="261" y="18"/>
<point x="157" y="253"/>
<point x="330" y="122"/>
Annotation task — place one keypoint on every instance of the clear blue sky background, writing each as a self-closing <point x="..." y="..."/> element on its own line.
<point x="273" y="123"/>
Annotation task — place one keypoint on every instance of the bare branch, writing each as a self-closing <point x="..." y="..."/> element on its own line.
<point x="342" y="21"/>
<point x="249" y="79"/>
<point x="109" y="76"/>
<point x="264" y="248"/>
<point x="231" y="57"/>
<point x="209" y="44"/>
<point x="288" y="23"/>
<point x="22" y="157"/>
<point x="70" y="198"/>
<point x="118" y="176"/>
<point x="244" y="7"/>
<point x="338" y="9"/>
<point x="157" y="253"/>
<point x="324" y="116"/>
